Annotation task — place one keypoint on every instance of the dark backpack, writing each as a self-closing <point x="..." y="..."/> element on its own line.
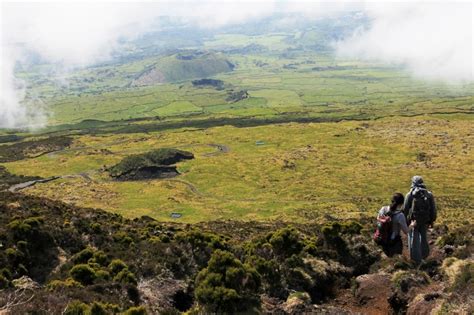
<point x="383" y="231"/>
<point x="420" y="210"/>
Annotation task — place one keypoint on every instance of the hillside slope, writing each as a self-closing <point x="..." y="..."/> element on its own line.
<point x="183" y="66"/>
<point x="60" y="259"/>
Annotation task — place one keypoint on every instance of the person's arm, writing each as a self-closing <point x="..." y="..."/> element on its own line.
<point x="433" y="210"/>
<point x="407" y="204"/>
<point x="403" y="223"/>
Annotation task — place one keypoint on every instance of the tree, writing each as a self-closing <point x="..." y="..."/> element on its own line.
<point x="227" y="285"/>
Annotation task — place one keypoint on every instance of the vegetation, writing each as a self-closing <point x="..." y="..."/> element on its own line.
<point x="227" y="285"/>
<point x="302" y="172"/>
<point x="149" y="165"/>
<point x="285" y="154"/>
<point x="183" y="66"/>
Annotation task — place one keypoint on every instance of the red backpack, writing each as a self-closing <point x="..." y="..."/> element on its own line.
<point x="383" y="230"/>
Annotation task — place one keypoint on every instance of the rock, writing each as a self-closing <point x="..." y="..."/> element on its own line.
<point x="372" y="286"/>
<point x="164" y="294"/>
<point x="424" y="304"/>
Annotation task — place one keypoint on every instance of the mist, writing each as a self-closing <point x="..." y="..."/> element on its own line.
<point x="433" y="41"/>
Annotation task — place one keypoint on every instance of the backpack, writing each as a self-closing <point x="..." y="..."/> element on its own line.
<point x="421" y="206"/>
<point x="383" y="230"/>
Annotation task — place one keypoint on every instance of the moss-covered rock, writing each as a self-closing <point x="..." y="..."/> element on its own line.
<point x="154" y="164"/>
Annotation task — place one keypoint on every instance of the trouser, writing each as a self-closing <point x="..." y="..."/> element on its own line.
<point x="418" y="243"/>
<point x="395" y="247"/>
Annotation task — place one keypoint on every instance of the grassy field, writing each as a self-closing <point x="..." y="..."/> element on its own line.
<point x="315" y="136"/>
<point x="296" y="172"/>
<point x="281" y="78"/>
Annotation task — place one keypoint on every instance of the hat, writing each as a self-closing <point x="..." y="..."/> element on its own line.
<point x="417" y="180"/>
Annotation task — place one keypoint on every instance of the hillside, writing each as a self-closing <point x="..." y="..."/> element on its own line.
<point x="232" y="157"/>
<point x="60" y="259"/>
<point x="183" y="66"/>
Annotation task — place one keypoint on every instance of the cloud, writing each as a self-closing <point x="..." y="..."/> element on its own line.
<point x="432" y="40"/>
<point x="72" y="34"/>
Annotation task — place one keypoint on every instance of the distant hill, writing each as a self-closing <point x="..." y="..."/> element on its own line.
<point x="183" y="66"/>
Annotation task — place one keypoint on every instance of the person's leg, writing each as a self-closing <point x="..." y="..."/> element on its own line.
<point x="425" y="246"/>
<point x="414" y="245"/>
<point x="398" y="246"/>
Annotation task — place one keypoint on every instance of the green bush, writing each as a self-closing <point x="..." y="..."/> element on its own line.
<point x="96" y="227"/>
<point x="101" y="258"/>
<point x="286" y="242"/>
<point x="202" y="244"/>
<point x="227" y="285"/>
<point x="137" y="310"/>
<point x="123" y="238"/>
<point x="4" y="282"/>
<point x="83" y="273"/>
<point x="116" y="266"/>
<point x="98" y="309"/>
<point x="25" y="229"/>
<point x="59" y="284"/>
<point x="83" y="256"/>
<point x="76" y="308"/>
<point x="125" y="276"/>
<point x="6" y="273"/>
<point x="102" y="275"/>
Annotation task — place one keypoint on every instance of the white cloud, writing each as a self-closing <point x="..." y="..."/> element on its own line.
<point x="433" y="40"/>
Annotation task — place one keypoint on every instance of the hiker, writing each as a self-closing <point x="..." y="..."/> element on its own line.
<point x="420" y="207"/>
<point x="390" y="221"/>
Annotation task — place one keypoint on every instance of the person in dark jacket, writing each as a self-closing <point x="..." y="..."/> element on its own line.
<point x="419" y="202"/>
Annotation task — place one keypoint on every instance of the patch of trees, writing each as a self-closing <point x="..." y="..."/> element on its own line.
<point x="154" y="164"/>
<point x="235" y="96"/>
<point x="217" y="84"/>
<point x="33" y="148"/>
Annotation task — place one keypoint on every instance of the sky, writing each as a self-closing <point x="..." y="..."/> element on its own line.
<point x="433" y="41"/>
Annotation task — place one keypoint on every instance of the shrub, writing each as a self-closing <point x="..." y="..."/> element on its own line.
<point x="286" y="242"/>
<point x="83" y="256"/>
<point x="98" y="309"/>
<point x="227" y="285"/>
<point x="25" y="229"/>
<point x="76" y="308"/>
<point x="351" y="227"/>
<point x="116" y="266"/>
<point x="103" y="275"/>
<point x="125" y="276"/>
<point x="59" y="284"/>
<point x="137" y="310"/>
<point x="202" y="244"/>
<point x="123" y="238"/>
<point x="6" y="273"/>
<point x="101" y="258"/>
<point x="83" y="273"/>
<point x="4" y="282"/>
<point x="96" y="227"/>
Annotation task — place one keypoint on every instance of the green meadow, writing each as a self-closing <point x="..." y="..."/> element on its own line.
<point x="314" y="136"/>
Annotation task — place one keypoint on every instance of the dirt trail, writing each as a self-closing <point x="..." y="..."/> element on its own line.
<point x="17" y="187"/>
